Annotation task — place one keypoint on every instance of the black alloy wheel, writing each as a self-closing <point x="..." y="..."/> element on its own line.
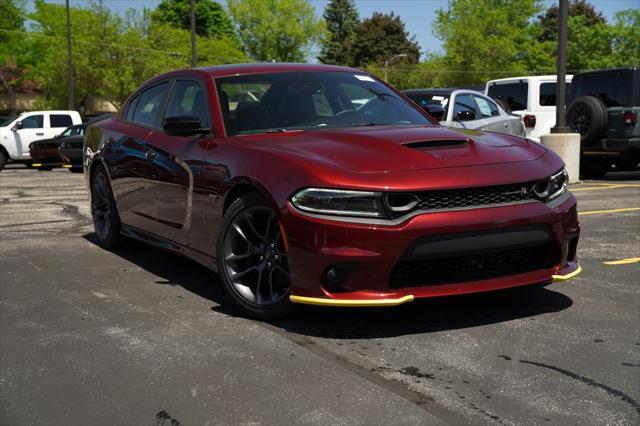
<point x="252" y="259"/>
<point x="106" y="220"/>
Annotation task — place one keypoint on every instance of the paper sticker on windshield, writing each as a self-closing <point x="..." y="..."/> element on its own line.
<point x="437" y="98"/>
<point x="364" y="78"/>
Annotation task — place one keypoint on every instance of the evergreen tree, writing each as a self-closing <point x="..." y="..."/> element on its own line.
<point x="342" y="19"/>
<point x="380" y="37"/>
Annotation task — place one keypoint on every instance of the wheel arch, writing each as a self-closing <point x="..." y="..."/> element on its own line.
<point x="4" y="151"/>
<point x="242" y="186"/>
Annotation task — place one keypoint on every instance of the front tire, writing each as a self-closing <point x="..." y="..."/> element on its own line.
<point x="3" y="160"/>
<point x="252" y="259"/>
<point x="106" y="220"/>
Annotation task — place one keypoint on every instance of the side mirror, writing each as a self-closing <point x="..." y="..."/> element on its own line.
<point x="17" y="126"/>
<point x="436" y="111"/>
<point x="183" y="126"/>
<point x="466" y="115"/>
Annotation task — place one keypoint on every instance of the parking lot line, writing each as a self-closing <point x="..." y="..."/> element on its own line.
<point x="622" y="185"/>
<point x="623" y="261"/>
<point x="629" y="209"/>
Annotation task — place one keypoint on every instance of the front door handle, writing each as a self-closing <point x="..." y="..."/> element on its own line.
<point x="39" y="134"/>
<point x="150" y="155"/>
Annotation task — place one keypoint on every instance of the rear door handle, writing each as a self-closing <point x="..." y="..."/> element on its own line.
<point x="39" y="134"/>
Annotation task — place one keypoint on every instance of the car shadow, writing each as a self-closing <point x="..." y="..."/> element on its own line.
<point x="622" y="175"/>
<point x="425" y="316"/>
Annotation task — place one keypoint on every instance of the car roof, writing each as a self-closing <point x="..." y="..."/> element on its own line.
<point x="251" y="68"/>
<point x="530" y="78"/>
<point x="609" y="70"/>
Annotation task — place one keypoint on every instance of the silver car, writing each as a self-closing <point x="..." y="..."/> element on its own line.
<point x="467" y="109"/>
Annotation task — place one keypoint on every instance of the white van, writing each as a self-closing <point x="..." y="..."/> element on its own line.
<point x="533" y="98"/>
<point x="17" y="134"/>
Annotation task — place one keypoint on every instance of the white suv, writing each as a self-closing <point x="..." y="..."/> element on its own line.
<point x="17" y="134"/>
<point x="533" y="98"/>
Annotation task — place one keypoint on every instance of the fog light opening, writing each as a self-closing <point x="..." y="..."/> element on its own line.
<point x="336" y="276"/>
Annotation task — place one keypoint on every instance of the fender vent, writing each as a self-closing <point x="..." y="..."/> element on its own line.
<point x="438" y="144"/>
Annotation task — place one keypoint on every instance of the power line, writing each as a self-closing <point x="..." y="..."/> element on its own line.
<point x="98" y="43"/>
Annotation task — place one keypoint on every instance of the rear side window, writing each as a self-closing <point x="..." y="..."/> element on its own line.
<point x="148" y="108"/>
<point x="547" y="94"/>
<point x="131" y="108"/>
<point x="33" y="122"/>
<point x="60" y="120"/>
<point x="189" y="98"/>
<point x="612" y="89"/>
<point x="515" y="94"/>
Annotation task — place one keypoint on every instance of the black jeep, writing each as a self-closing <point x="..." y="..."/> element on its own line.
<point x="604" y="107"/>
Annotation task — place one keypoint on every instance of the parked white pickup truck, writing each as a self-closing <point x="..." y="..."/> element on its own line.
<point x="17" y="134"/>
<point x="533" y="98"/>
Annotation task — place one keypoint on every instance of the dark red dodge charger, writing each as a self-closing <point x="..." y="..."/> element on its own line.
<point x="323" y="185"/>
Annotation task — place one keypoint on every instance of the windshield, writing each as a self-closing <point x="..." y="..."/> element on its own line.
<point x="6" y="120"/>
<point x="310" y="100"/>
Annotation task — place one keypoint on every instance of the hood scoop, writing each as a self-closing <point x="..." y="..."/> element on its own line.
<point x="437" y="144"/>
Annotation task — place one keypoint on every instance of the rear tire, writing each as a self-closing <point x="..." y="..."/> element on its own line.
<point x="252" y="259"/>
<point x="106" y="220"/>
<point x="594" y="167"/>
<point x="588" y="116"/>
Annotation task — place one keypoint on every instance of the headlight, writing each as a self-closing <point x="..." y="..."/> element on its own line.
<point x="340" y="202"/>
<point x="550" y="189"/>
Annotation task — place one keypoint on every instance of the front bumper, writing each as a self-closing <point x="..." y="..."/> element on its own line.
<point x="373" y="250"/>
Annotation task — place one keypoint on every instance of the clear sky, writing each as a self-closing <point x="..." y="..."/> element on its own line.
<point x="417" y="14"/>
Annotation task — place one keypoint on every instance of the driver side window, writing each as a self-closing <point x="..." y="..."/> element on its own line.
<point x="33" y="122"/>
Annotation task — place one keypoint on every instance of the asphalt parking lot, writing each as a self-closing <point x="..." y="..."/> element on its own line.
<point x="139" y="336"/>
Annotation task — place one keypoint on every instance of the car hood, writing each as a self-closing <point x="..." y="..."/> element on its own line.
<point x="387" y="149"/>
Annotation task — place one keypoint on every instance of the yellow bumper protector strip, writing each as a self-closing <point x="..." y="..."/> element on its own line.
<point x="67" y="166"/>
<point x="36" y="164"/>
<point x="350" y="303"/>
<point x="570" y="275"/>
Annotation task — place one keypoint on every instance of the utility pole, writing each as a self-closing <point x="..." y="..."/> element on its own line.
<point x="69" y="59"/>
<point x="194" y="60"/>
<point x="561" y="139"/>
<point x="388" y="61"/>
<point x="560" y="127"/>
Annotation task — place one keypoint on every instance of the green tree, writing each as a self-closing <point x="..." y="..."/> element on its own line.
<point x="626" y="38"/>
<point x="15" y="58"/>
<point x="549" y="20"/>
<point x="211" y="18"/>
<point x="341" y="17"/>
<point x="484" y="39"/>
<point x="281" y="30"/>
<point x="601" y="45"/>
<point x="113" y="55"/>
<point x="380" y="37"/>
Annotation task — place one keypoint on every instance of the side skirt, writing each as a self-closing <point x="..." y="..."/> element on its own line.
<point x="154" y="240"/>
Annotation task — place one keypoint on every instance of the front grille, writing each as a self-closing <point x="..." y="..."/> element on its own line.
<point x="46" y="145"/>
<point x="448" y="270"/>
<point x="471" y="197"/>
